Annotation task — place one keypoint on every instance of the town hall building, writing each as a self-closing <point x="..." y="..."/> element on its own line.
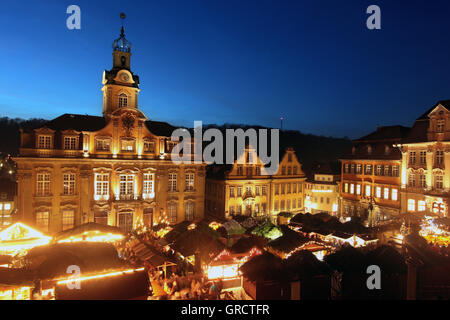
<point x="112" y="169"/>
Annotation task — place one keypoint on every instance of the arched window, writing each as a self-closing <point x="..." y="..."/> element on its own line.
<point x="123" y="100"/>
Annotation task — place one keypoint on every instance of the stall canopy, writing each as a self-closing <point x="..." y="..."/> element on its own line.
<point x="90" y="232"/>
<point x="18" y="237"/>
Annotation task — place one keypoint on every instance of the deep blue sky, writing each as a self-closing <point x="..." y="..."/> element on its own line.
<point x="241" y="61"/>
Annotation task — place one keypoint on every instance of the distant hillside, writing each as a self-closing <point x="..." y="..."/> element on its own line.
<point x="310" y="148"/>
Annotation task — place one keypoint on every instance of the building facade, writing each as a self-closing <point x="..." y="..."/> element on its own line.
<point x="322" y="192"/>
<point x="114" y="169"/>
<point x="241" y="189"/>
<point x="425" y="153"/>
<point x="371" y="175"/>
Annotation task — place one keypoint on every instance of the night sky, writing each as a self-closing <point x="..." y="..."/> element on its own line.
<point x="238" y="61"/>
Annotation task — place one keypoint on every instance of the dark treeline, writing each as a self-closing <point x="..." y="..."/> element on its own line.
<point x="9" y="131"/>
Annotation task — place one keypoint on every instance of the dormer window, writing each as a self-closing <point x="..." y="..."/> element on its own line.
<point x="123" y="100"/>
<point x="127" y="145"/>
<point x="386" y="149"/>
<point x="369" y="149"/>
<point x="440" y="125"/>
<point x="70" y="143"/>
<point x="44" y="142"/>
<point x="149" y="146"/>
<point x="102" y="144"/>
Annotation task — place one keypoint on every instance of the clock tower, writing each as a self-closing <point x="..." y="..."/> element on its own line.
<point x="120" y="85"/>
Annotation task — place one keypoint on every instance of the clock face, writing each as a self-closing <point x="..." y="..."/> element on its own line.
<point x="124" y="77"/>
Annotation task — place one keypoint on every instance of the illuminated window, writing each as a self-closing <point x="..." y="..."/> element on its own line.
<point x="189" y="211"/>
<point x="412" y="157"/>
<point x="126" y="184"/>
<point x="42" y="220"/>
<point x="127" y="145"/>
<point x="43" y="184"/>
<point x="68" y="219"/>
<point x="421" y="205"/>
<point x="439" y="181"/>
<point x="102" y="144"/>
<point x="70" y="143"/>
<point x="189" y="181"/>
<point x="172" y="212"/>
<point x="440" y="125"/>
<point x="172" y="182"/>
<point x="358" y="189"/>
<point x="411" y="205"/>
<point x="68" y="183"/>
<point x="379" y="170"/>
<point x="387" y="171"/>
<point x="352" y="188"/>
<point x="395" y="171"/>
<point x="257" y="190"/>
<point x="7" y="206"/>
<point x="394" y="194"/>
<point x="44" y="142"/>
<point x="386" y="193"/>
<point x="346" y="187"/>
<point x="149" y="146"/>
<point x="147" y="184"/>
<point x="439" y="157"/>
<point x="368" y="169"/>
<point x="378" y="192"/>
<point x="346" y="168"/>
<point x="368" y="191"/>
<point x="101" y="184"/>
<point x="358" y="168"/>
<point x="412" y="180"/>
<point x="123" y="100"/>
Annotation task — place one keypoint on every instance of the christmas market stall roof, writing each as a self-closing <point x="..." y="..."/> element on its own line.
<point x="233" y="227"/>
<point x="264" y="267"/>
<point x="18" y="237"/>
<point x="196" y="241"/>
<point x="304" y="265"/>
<point x="267" y="230"/>
<point x="51" y="261"/>
<point x="289" y="241"/>
<point x="91" y="231"/>
<point x="245" y="244"/>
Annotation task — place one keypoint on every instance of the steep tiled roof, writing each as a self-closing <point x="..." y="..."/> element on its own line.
<point x="160" y="128"/>
<point x="77" y="122"/>
<point x="385" y="133"/>
<point x="378" y="141"/>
